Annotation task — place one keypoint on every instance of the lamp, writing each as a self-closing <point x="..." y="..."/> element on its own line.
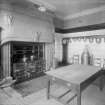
<point x="42" y="8"/>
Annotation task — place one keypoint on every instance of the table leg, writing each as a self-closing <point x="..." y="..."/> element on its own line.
<point x="48" y="89"/>
<point x="101" y="83"/>
<point x="78" y="96"/>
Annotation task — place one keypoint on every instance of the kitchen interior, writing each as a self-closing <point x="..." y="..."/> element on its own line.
<point x="35" y="42"/>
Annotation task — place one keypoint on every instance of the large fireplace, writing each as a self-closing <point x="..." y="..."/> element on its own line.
<point x="27" y="61"/>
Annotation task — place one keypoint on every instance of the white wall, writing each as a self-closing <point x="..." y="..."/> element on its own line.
<point x="77" y="46"/>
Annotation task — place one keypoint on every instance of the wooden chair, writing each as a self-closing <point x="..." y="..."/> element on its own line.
<point x="75" y="59"/>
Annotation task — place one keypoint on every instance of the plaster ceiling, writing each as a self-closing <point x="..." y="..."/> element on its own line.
<point x="67" y="8"/>
<point x="64" y="9"/>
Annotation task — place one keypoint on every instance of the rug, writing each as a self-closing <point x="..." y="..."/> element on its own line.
<point x="32" y="86"/>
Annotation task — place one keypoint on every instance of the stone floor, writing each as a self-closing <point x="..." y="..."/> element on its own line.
<point x="91" y="96"/>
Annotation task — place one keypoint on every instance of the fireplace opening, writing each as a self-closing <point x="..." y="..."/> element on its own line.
<point x="27" y="61"/>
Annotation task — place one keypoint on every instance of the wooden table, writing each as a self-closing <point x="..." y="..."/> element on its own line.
<point x="75" y="76"/>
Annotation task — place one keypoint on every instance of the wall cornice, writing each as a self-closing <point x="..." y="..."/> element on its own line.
<point x="81" y="29"/>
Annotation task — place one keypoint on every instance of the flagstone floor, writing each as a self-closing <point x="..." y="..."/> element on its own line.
<point x="9" y="96"/>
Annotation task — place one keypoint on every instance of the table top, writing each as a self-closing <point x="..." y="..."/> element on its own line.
<point x="76" y="73"/>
